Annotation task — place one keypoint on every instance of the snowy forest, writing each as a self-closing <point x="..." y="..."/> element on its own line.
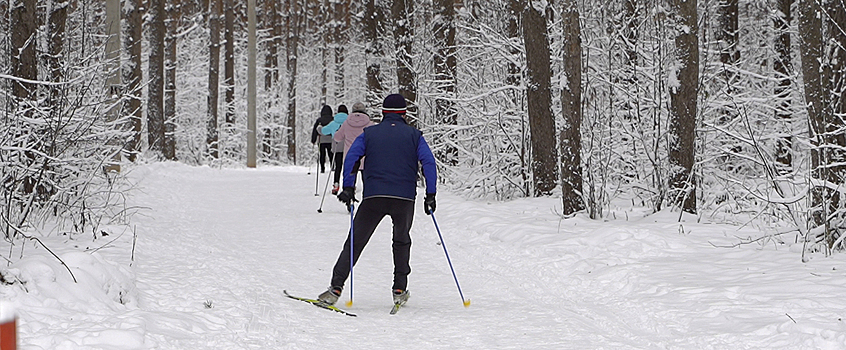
<point x="727" y="109"/>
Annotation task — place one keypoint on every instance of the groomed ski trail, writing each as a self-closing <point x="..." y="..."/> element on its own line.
<point x="234" y="239"/>
<point x="216" y="247"/>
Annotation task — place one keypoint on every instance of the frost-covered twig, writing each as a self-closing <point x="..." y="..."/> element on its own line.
<point x="24" y="235"/>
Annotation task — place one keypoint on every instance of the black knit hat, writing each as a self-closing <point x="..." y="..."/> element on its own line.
<point x="394" y="103"/>
<point x="343" y="109"/>
<point x="326" y="111"/>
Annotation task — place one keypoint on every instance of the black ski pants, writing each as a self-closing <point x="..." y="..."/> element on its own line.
<point x="325" y="149"/>
<point x="339" y="166"/>
<point x="368" y="216"/>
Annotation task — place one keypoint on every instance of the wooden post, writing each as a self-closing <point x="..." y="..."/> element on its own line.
<point x="251" y="84"/>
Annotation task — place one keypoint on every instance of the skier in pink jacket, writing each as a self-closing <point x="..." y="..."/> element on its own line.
<point x="353" y="126"/>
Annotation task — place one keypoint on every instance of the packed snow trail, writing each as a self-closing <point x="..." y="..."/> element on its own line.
<point x="215" y="249"/>
<point x="236" y="238"/>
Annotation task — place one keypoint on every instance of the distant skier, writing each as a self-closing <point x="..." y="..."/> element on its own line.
<point x="337" y="147"/>
<point x="354" y="126"/>
<point x="325" y="141"/>
<point x="391" y="151"/>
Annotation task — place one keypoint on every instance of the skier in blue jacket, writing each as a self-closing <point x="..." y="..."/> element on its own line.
<point x="392" y="151"/>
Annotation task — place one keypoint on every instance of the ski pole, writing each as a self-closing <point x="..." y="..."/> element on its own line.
<point x="467" y="301"/>
<point x="317" y="171"/>
<point x="352" y="234"/>
<point x="329" y="176"/>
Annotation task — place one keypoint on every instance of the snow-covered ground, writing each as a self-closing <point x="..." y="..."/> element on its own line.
<point x="205" y="263"/>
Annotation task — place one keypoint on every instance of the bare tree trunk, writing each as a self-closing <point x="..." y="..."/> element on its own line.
<point x="271" y="75"/>
<point x="58" y="14"/>
<point x="24" y="66"/>
<point x="784" y="71"/>
<point x="445" y="61"/>
<point x="252" y="148"/>
<point x="835" y="24"/>
<point x="113" y="81"/>
<point x="539" y="97"/>
<point x="292" y="31"/>
<point x="132" y="74"/>
<point x="155" y="88"/>
<point x="372" y="51"/>
<point x="632" y="18"/>
<point x="214" y="77"/>
<point x="341" y="23"/>
<point x="313" y="8"/>
<point x="56" y="39"/>
<point x="174" y="14"/>
<point x="515" y="8"/>
<point x="23" y="39"/>
<point x="229" y="60"/>
<point x="324" y="51"/>
<point x="682" y="128"/>
<point x="823" y="56"/>
<point x="570" y="141"/>
<point x="811" y="47"/>
<point x="727" y="37"/>
<point x="514" y="78"/>
<point x="402" y="12"/>
<point x="727" y="34"/>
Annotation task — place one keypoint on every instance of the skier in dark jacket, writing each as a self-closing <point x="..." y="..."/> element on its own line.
<point x="337" y="146"/>
<point x="325" y="140"/>
<point x="391" y="151"/>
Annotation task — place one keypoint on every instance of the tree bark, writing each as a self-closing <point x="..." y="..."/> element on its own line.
<point x="682" y="128"/>
<point x="252" y="148"/>
<point x="727" y="37"/>
<point x="822" y="47"/>
<point x="784" y="71"/>
<point x="292" y="29"/>
<point x="155" y="88"/>
<point x="326" y="38"/>
<point x="727" y="33"/>
<point x="271" y="74"/>
<point x="515" y="8"/>
<point x="570" y="140"/>
<point x="515" y="79"/>
<point x="24" y="66"/>
<point x="58" y="14"/>
<point x="132" y="74"/>
<point x="23" y="38"/>
<point x="632" y="18"/>
<point x="445" y="61"/>
<point x="229" y="61"/>
<point x="174" y="14"/>
<point x="214" y="78"/>
<point x="56" y="39"/>
<point x="372" y="52"/>
<point x="113" y="84"/>
<point x="836" y="89"/>
<point x="402" y="12"/>
<point x="811" y="47"/>
<point x="539" y="97"/>
<point x="339" y="29"/>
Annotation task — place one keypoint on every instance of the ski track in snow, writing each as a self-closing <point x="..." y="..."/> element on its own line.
<point x="234" y="239"/>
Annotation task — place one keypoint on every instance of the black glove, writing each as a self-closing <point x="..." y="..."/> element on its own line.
<point x="347" y="195"/>
<point x="429" y="204"/>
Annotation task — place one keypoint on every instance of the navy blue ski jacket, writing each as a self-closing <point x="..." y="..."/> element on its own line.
<point x="391" y="151"/>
